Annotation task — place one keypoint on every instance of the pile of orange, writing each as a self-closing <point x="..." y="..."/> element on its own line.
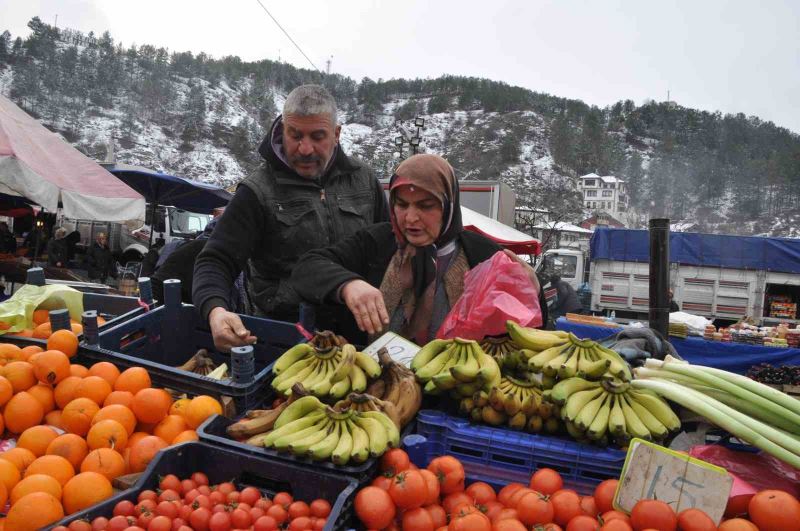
<point x="115" y="423"/>
<point x="41" y="328"/>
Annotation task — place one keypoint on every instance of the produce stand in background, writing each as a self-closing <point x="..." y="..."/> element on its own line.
<point x="734" y="357"/>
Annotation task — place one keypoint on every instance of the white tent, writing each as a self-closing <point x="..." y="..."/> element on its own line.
<point x="508" y="237"/>
<point x="39" y="166"/>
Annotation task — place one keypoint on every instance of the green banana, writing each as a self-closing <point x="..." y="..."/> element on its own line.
<point x="370" y="367"/>
<point x="653" y="425"/>
<point x="533" y="339"/>
<point x="284" y="385"/>
<point x="466" y="370"/>
<point x="551" y="367"/>
<point x="300" y="447"/>
<point x="589" y="412"/>
<point x="323" y="449"/>
<point x="298" y="409"/>
<point x="360" y="451"/>
<point x="599" y="426"/>
<point x="619" y="367"/>
<point x="569" y="368"/>
<point x="341" y="454"/>
<point x="436" y="365"/>
<point x="340" y="389"/>
<point x="616" y="419"/>
<point x="343" y="367"/>
<point x="566" y="388"/>
<point x="428" y="352"/>
<point x="292" y="356"/>
<point x="293" y="427"/>
<point x="358" y="380"/>
<point x="658" y="407"/>
<point x="578" y="401"/>
<point x="378" y="438"/>
<point x="594" y="369"/>
<point x="539" y="359"/>
<point x="392" y="433"/>
<point x="293" y="370"/>
<point x="322" y="374"/>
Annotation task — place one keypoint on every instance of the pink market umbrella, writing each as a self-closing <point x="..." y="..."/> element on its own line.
<point x="38" y="165"/>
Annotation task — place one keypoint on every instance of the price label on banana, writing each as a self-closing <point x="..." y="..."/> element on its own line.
<point x="400" y="349"/>
<point x="683" y="482"/>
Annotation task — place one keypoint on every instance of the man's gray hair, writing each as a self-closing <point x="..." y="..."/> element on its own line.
<point x="310" y="100"/>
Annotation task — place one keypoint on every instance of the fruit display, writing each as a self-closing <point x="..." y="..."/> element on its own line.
<point x="768" y="374"/>
<point x="307" y="428"/>
<point x="611" y="410"/>
<point x="193" y="504"/>
<point x="502" y="349"/>
<point x="397" y="385"/>
<point x="202" y="364"/>
<point x="78" y="428"/>
<point x="325" y="367"/>
<point x="458" y="366"/>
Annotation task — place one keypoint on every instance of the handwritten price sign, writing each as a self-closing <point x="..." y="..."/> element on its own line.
<point x="400" y="349"/>
<point x="657" y="473"/>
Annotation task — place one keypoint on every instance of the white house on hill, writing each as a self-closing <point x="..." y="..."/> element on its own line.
<point x="604" y="194"/>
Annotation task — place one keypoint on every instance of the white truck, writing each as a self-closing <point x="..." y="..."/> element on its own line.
<point x="720" y="277"/>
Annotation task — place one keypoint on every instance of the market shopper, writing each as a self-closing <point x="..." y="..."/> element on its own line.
<point x="308" y="194"/>
<point x="100" y="262"/>
<point x="566" y="298"/>
<point x="403" y="276"/>
<point x="57" y="253"/>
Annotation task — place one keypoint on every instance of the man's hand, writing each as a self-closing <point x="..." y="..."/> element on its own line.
<point x="528" y="268"/>
<point x="228" y="330"/>
<point x="366" y="304"/>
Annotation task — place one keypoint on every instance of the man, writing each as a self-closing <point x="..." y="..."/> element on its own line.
<point x="8" y="243"/>
<point x="307" y="194"/>
<point x="99" y="260"/>
<point x="567" y="299"/>
<point x="673" y="306"/>
<point x="57" y="255"/>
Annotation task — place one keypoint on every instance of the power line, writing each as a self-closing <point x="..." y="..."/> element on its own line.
<point x="288" y="36"/>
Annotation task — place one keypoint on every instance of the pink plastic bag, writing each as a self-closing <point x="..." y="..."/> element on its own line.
<point x="495" y="291"/>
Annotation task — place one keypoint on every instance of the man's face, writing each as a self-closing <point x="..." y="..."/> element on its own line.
<point x="101" y="239"/>
<point x="308" y="142"/>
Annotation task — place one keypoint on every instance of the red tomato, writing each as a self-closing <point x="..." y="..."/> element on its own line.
<point x="219" y="508"/>
<point x="204" y="489"/>
<point x="534" y="508"/>
<point x="99" y="523"/>
<point x="450" y="473"/>
<point x="145" y="506"/>
<point x="241" y="518"/>
<point x="320" y="508"/>
<point x="300" y="524"/>
<point x="278" y="513"/>
<point x="504" y="514"/>
<point x="615" y="515"/>
<point x="191" y="495"/>
<point x="199" y="518"/>
<point x="482" y="493"/>
<point x="566" y="506"/>
<point x="79" y="525"/>
<point x="177" y="523"/>
<point x="250" y="495"/>
<point x="546" y="480"/>
<point x="263" y="503"/>
<point x="147" y="495"/>
<point x="417" y="520"/>
<point x="145" y="518"/>
<point x="319" y="525"/>
<point x="409" y="490"/>
<point x="583" y="522"/>
<point x="233" y="497"/>
<point x="298" y="509"/>
<point x="469" y="521"/>
<point x="120" y="523"/>
<point x="265" y="523"/>
<point x="160" y="523"/>
<point x="217" y="497"/>
<point x="618" y="524"/>
<point x="374" y="507"/>
<point x="492" y="508"/>
<point x="219" y="522"/>
<point x="695" y="520"/>
<point x="604" y="495"/>
<point x="256" y="513"/>
<point x="283" y="498"/>
<point x="383" y="482"/>
<point x="168" y="509"/>
<point x="588" y="506"/>
<point x="202" y="501"/>
<point x="226" y="488"/>
<point x="186" y="486"/>
<point x="170" y="481"/>
<point x="453" y="501"/>
<point x="438" y="516"/>
<point x="395" y="461"/>
<point x="124" y="508"/>
<point x="506" y="492"/>
<point x="655" y="514"/>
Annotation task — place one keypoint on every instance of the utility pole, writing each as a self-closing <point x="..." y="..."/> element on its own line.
<point x="328" y="65"/>
<point x="56" y="24"/>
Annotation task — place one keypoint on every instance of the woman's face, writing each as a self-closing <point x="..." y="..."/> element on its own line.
<point x="418" y="214"/>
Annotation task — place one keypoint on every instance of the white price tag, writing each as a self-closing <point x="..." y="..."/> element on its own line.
<point x="400" y="349"/>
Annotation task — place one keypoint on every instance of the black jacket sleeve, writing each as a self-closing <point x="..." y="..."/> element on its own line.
<point x="233" y="241"/>
<point x="319" y="273"/>
<point x="381" y="204"/>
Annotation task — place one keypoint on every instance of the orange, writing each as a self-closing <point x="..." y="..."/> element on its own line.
<point x="29" y="351"/>
<point x="51" y="366"/>
<point x="144" y="451"/>
<point x="65" y="340"/>
<point x="54" y="419"/>
<point x="52" y="465"/>
<point x="136" y="437"/>
<point x="94" y="388"/>
<point x="2" y="425"/>
<point x="105" y="370"/>
<point x="20" y="374"/>
<point x="78" y="370"/>
<point x="9" y="474"/>
<point x="22" y="412"/>
<point x="40" y="317"/>
<point x="84" y="490"/>
<point x="42" y="331"/>
<point x="185" y="436"/>
<point x="71" y="447"/>
<point x="179" y="407"/>
<point x="151" y="405"/>
<point x="33" y="511"/>
<point x="77" y="415"/>
<point x="6" y="390"/>
<point x="9" y="352"/>
<point x="117" y="412"/>
<point x="45" y="395"/>
<point x="133" y="380"/>
<point x="37" y="439"/>
<point x="107" y="434"/>
<point x="65" y="390"/>
<point x="170" y="427"/>
<point x="123" y="398"/>
<point x="104" y="461"/>
<point x="146" y="427"/>
<point x="36" y="483"/>
<point x="20" y="457"/>
<point x="200" y="409"/>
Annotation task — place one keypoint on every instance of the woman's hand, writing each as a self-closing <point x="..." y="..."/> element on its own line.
<point x="367" y="306"/>
<point x="528" y="268"/>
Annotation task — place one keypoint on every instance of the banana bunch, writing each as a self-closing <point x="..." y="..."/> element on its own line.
<point x="259" y="421"/>
<point x="534" y="339"/>
<point x="611" y="410"/>
<point x="515" y="403"/>
<point x="504" y="351"/>
<point x="457" y="365"/>
<point x="329" y="373"/>
<point x="308" y="428"/>
<point x="361" y="402"/>
<point x="397" y="385"/>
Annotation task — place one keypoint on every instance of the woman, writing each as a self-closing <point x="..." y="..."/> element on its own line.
<point x="57" y="253"/>
<point x="404" y="275"/>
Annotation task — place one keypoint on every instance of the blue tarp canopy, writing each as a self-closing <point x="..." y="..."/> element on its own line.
<point x="709" y="250"/>
<point x="169" y="190"/>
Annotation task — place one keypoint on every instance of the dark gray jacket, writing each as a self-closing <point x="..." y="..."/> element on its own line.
<point x="274" y="218"/>
<point x="100" y="262"/>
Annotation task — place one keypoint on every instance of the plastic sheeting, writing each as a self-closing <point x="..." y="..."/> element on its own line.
<point x="734" y="357"/>
<point x="709" y="250"/>
<point x="508" y="237"/>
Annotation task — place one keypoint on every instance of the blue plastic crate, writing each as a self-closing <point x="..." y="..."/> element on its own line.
<point x="508" y="456"/>
<point x="221" y="464"/>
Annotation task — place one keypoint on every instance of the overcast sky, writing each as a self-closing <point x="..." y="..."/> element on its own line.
<point x="734" y="56"/>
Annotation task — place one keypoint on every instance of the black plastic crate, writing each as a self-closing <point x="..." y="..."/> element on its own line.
<point x="115" y="309"/>
<point x="222" y="464"/>
<point x="166" y="337"/>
